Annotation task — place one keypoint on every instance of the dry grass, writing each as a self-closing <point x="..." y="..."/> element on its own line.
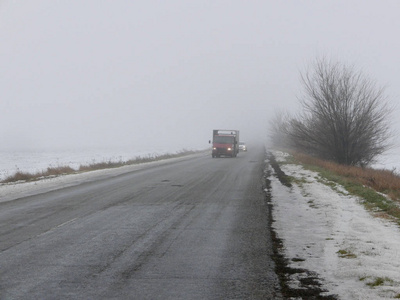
<point x="383" y="181"/>
<point x="49" y="172"/>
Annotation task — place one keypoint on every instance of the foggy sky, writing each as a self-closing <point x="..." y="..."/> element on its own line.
<point x="150" y="73"/>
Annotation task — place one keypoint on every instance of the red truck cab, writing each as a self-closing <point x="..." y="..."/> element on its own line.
<point x="225" y="142"/>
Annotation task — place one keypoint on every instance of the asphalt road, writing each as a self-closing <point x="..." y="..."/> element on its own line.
<point x="197" y="228"/>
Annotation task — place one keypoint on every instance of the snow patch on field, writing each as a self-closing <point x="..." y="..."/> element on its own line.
<point x="327" y="231"/>
<point x="11" y="191"/>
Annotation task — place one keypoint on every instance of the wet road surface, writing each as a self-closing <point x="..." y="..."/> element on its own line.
<point x="193" y="229"/>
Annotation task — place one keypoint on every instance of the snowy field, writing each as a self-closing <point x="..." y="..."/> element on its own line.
<point x="13" y="191"/>
<point x="39" y="160"/>
<point x="356" y="255"/>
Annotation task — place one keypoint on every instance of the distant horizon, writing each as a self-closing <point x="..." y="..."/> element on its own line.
<point x="164" y="74"/>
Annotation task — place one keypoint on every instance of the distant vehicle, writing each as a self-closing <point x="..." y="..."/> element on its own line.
<point x="242" y="146"/>
<point x="225" y="142"/>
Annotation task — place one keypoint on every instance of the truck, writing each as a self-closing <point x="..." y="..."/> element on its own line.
<point x="225" y="142"/>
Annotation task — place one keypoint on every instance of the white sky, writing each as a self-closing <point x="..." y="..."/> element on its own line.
<point x="143" y="73"/>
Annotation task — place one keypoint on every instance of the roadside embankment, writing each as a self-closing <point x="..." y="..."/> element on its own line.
<point x="331" y="246"/>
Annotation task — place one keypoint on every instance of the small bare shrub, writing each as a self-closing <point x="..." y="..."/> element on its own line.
<point x="55" y="171"/>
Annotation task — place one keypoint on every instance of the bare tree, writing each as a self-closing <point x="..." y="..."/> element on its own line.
<point x="345" y="117"/>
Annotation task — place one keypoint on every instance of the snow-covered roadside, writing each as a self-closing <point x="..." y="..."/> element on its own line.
<point x="356" y="255"/>
<point x="13" y="191"/>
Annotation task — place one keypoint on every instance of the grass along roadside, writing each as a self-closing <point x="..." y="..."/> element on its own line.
<point x="64" y="170"/>
<point x="379" y="189"/>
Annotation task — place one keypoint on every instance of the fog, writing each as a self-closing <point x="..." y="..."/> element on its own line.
<point x="145" y="74"/>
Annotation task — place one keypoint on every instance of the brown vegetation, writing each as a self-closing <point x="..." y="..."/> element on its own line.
<point x="51" y="171"/>
<point x="383" y="181"/>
